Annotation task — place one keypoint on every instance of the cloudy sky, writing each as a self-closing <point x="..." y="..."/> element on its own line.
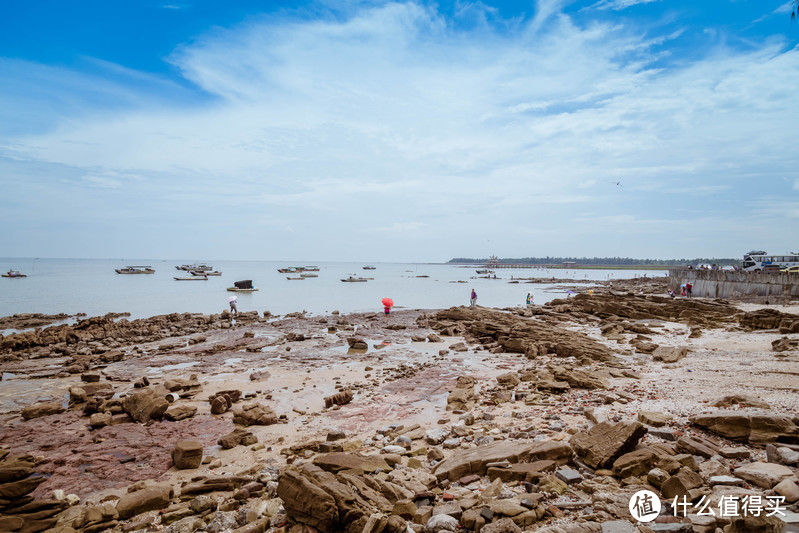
<point x="398" y="131"/>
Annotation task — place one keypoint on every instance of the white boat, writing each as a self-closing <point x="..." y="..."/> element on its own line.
<point x="192" y="278"/>
<point x="306" y="275"/>
<point x="353" y="279"/>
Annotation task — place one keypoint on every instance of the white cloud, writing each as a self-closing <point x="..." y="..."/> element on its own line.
<point x="393" y="114"/>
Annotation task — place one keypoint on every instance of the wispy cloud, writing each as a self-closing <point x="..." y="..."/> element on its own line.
<point x="617" y="5"/>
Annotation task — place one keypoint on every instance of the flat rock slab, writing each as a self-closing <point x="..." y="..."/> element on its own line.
<point x="475" y="460"/>
<point x="725" y="480"/>
<point x="338" y="461"/>
<point x="765" y="475"/>
<point x="618" y="526"/>
<point x="754" y="426"/>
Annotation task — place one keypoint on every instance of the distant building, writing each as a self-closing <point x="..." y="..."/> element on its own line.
<point x="569" y="264"/>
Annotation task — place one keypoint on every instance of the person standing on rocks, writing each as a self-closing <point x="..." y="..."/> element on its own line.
<point x="233" y="310"/>
<point x="473" y="300"/>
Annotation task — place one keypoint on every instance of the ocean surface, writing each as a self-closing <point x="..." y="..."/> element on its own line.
<point x="91" y="286"/>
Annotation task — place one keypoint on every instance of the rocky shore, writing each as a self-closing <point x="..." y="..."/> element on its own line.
<point x="544" y="418"/>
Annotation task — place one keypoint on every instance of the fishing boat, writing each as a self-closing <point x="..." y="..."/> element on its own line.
<point x="485" y="271"/>
<point x="14" y="274"/>
<point x="311" y="269"/>
<point x="135" y="270"/>
<point x="195" y="268"/>
<point x="192" y="278"/>
<point x="369" y="267"/>
<point x="242" y="286"/>
<point x="306" y="275"/>
<point x="294" y="279"/>
<point x="291" y="270"/>
<point x="353" y="279"/>
<point x="206" y="273"/>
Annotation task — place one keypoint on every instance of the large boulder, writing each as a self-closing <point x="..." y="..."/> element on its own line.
<point x="754" y="426"/>
<point x="41" y="409"/>
<point x="765" y="475"/>
<point x="187" y="454"/>
<point x="462" y="397"/>
<point x="476" y="460"/>
<point x="601" y="445"/>
<point x="338" y="461"/>
<point x="146" y="404"/>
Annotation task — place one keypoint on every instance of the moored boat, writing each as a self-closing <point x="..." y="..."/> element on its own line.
<point x="369" y="267"/>
<point x="353" y="279"/>
<point x="300" y="278"/>
<point x="206" y="273"/>
<point x="135" y="270"/>
<point x="242" y="286"/>
<point x="14" y="274"/>
<point x="192" y="278"/>
<point x="306" y="275"/>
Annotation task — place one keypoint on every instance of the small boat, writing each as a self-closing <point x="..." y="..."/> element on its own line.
<point x="300" y="278"/>
<point x="306" y="275"/>
<point x="485" y="271"/>
<point x="135" y="270"/>
<point x="14" y="274"/>
<point x="290" y="270"/>
<point x="353" y="279"/>
<point x="242" y="286"/>
<point x="192" y="278"/>
<point x="311" y="269"/>
<point x="193" y="268"/>
<point x="369" y="267"/>
<point x="206" y="273"/>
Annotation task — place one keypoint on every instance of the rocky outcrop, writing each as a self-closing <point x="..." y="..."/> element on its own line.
<point x="512" y="333"/>
<point x="462" y="397"/>
<point x="754" y="426"/>
<point x="340" y="398"/>
<point x="148" y="498"/>
<point x="18" y="510"/>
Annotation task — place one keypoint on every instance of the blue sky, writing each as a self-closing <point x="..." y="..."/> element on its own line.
<point x="401" y="131"/>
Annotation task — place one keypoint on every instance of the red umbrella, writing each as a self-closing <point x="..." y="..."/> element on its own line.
<point x="387" y="302"/>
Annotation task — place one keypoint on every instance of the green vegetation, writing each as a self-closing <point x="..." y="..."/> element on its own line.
<point x="611" y="262"/>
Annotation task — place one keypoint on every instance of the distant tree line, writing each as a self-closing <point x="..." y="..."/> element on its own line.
<point x="617" y="261"/>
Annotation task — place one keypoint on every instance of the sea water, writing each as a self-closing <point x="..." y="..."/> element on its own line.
<point x="91" y="286"/>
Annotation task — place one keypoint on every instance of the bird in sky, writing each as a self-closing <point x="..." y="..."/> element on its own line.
<point x="619" y="184"/>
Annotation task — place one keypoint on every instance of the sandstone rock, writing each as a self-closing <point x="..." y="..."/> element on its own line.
<point x="476" y="460"/>
<point x="669" y="354"/>
<point x="187" y="454"/>
<point x="756" y="427"/>
<point x="503" y="525"/>
<point x="508" y="380"/>
<point x="653" y="418"/>
<point x="341" y="398"/>
<point x="237" y="437"/>
<point x="765" y="475"/>
<point x="634" y="463"/>
<point x="180" y="412"/>
<point x="601" y="445"/>
<point x="441" y="522"/>
<point x="781" y="455"/>
<point x="789" y="489"/>
<point x="743" y="400"/>
<point x="100" y="420"/>
<point x="143" y="500"/>
<point x="146" y="404"/>
<point x="336" y="462"/>
<point x="462" y="396"/>
<point x="41" y="409"/>
<point x="253" y="414"/>
<point x="697" y="446"/>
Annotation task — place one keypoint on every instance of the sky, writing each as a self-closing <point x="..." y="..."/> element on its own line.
<point x="398" y="131"/>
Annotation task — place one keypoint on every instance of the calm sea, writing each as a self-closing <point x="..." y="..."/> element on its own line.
<point x="91" y="286"/>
